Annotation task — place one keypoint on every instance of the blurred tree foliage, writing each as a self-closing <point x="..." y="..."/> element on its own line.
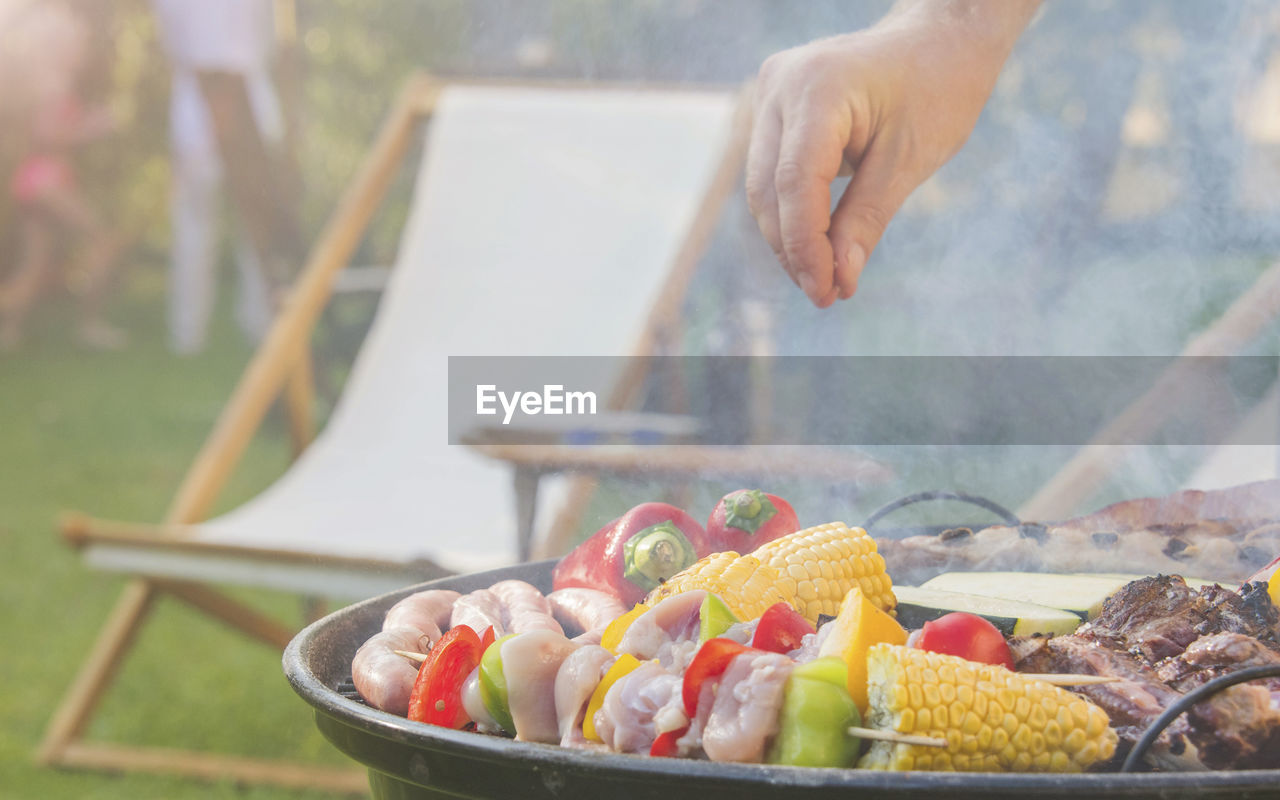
<point x="353" y="54"/>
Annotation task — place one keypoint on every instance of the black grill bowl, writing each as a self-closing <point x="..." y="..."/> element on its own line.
<point x="412" y="760"/>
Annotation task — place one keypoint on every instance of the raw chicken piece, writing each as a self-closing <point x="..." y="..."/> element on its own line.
<point x="744" y="714"/>
<point x="643" y="703"/>
<point x="667" y="632"/>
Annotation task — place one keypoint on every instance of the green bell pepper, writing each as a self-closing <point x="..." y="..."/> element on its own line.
<point x="817" y="712"/>
<point x="493" y="685"/>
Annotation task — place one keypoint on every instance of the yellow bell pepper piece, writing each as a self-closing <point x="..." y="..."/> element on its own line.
<point x="1273" y="587"/>
<point x="624" y="665"/>
<point x="858" y="626"/>
<point x="612" y="636"/>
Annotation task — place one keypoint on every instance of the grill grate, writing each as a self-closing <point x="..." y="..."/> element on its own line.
<point x="347" y="689"/>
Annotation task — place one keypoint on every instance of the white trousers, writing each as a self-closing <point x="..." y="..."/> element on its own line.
<point x="195" y="208"/>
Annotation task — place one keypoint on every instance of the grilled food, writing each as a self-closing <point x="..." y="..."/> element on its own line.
<point x="812" y="569"/>
<point x="1163" y="638"/>
<point x="992" y="719"/>
<point x="1226" y="534"/>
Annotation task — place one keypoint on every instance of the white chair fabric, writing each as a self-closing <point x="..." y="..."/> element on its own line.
<point x="544" y="222"/>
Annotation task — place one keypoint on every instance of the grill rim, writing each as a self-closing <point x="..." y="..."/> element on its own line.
<point x="318" y="659"/>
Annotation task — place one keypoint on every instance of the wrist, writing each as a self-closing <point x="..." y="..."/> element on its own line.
<point x="991" y="27"/>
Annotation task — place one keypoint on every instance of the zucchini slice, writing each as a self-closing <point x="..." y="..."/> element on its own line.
<point x="918" y="605"/>
<point x="1082" y="595"/>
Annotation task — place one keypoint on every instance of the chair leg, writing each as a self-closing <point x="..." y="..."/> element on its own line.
<point x="526" y="486"/>
<point x="234" y="613"/>
<point x="559" y="537"/>
<point x="97" y="671"/>
<point x="299" y="403"/>
<point x="63" y="746"/>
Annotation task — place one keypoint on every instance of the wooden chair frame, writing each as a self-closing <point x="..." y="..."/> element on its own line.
<point x="1248" y="316"/>
<point x="281" y="368"/>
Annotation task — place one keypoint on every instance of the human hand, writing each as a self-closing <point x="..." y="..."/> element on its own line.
<point x="894" y="102"/>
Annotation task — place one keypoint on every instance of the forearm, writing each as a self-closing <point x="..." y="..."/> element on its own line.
<point x="991" y="25"/>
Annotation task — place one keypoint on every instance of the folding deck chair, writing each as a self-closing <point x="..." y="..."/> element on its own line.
<point x="547" y="220"/>
<point x="534" y="205"/>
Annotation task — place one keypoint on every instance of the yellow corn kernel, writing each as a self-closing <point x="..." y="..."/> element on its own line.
<point x="819" y="565"/>
<point x="746" y="586"/>
<point x="1017" y="732"/>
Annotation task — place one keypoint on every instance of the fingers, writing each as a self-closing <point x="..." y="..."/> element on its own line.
<point x="879" y="188"/>
<point x="809" y="156"/>
<point x="762" y="163"/>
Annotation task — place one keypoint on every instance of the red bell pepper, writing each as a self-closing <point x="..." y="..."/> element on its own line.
<point x="486" y="638"/>
<point x="665" y="745"/>
<point x="437" y="692"/>
<point x="710" y="662"/>
<point x="780" y="629"/>
<point x="745" y="519"/>
<point x="632" y="555"/>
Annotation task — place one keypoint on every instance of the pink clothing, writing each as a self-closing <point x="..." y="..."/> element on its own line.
<point x="47" y="169"/>
<point x="39" y="174"/>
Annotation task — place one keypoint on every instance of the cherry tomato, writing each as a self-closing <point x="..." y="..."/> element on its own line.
<point x="437" y="692"/>
<point x="968" y="636"/>
<point x="780" y="629"/>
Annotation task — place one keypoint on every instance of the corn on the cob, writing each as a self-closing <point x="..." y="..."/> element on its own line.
<point x="992" y="719"/>
<point x="819" y="566"/>
<point x="745" y="585"/>
<point x="812" y="569"/>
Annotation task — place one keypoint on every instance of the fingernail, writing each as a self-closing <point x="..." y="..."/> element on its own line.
<point x="857" y="257"/>
<point x="854" y="261"/>
<point x="807" y="285"/>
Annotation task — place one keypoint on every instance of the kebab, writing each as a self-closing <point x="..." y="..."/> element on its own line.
<point x="623" y="695"/>
<point x="632" y="704"/>
<point x="737" y="702"/>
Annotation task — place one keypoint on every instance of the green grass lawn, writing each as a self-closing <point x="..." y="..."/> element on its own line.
<point x="111" y="434"/>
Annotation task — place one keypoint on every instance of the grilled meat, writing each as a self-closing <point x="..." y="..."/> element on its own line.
<point x="1132" y="703"/>
<point x="1156" y="617"/>
<point x="1250" y="501"/>
<point x="1228" y="533"/>
<point x="1237" y="728"/>
<point x="1216" y="654"/>
<point x="1162" y="639"/>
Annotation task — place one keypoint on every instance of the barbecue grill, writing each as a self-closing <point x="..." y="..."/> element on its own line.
<point x="412" y="760"/>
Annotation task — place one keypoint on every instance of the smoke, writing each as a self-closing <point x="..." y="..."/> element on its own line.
<point x="1118" y="193"/>
<point x="1100" y="208"/>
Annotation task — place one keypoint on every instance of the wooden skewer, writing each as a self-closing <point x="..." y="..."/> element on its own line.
<point x="1056" y="679"/>
<point x="897" y="738"/>
<point x="1063" y="679"/>
<point x="1067" y="679"/>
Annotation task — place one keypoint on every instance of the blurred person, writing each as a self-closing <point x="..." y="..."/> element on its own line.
<point x="225" y="118"/>
<point x="894" y="102"/>
<point x="51" y="42"/>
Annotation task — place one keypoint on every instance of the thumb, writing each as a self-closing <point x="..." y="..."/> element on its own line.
<point x="878" y="189"/>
